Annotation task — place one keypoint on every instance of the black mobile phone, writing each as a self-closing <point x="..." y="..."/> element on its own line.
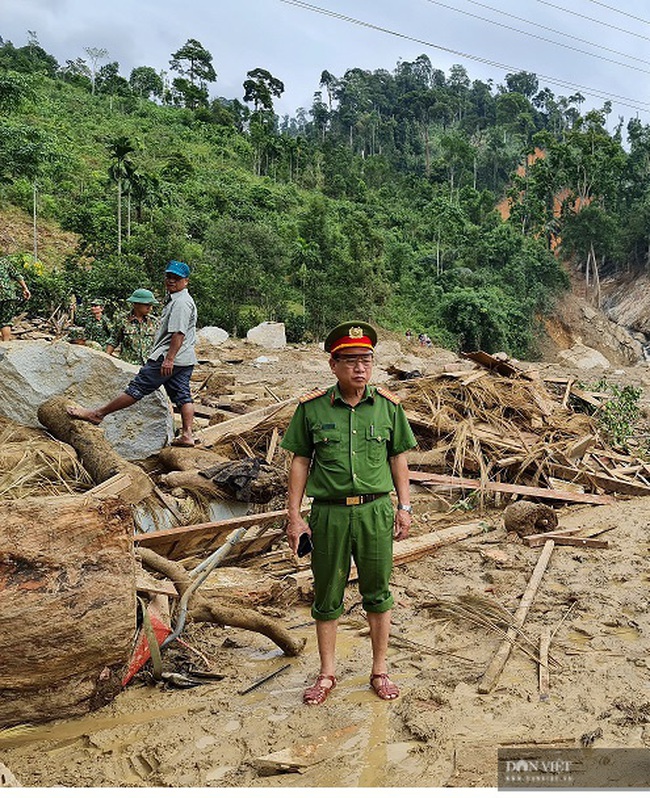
<point x="304" y="544"/>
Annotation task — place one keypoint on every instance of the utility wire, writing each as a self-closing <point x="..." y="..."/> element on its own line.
<point x="554" y="30"/>
<point x="618" y="11"/>
<point x="592" y="19"/>
<point x="624" y="101"/>
<point x="540" y="38"/>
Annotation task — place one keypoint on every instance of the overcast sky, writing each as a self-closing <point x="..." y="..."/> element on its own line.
<point x="604" y="53"/>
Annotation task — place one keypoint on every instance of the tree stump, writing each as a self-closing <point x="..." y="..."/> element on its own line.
<point x="528" y="518"/>
<point x="67" y="614"/>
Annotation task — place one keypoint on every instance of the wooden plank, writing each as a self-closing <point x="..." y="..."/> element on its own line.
<point x="562" y="484"/>
<point x="182" y="541"/>
<point x="506" y="487"/>
<point x="544" y="645"/>
<point x="567" y="392"/>
<point x="578" y="449"/>
<point x="241" y="424"/>
<point x="273" y="443"/>
<point x="309" y="751"/>
<point x="494" y="364"/>
<point x="111" y="487"/>
<point x="575" y="532"/>
<point x="498" y="661"/>
<point x="570" y="540"/>
<point x="586" y="397"/>
<point x="591" y="479"/>
<point x="479" y="374"/>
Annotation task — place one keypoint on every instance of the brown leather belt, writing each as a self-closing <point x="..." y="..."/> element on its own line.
<point x="351" y="501"/>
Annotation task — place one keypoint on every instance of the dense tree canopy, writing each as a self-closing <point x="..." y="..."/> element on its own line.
<point x="378" y="201"/>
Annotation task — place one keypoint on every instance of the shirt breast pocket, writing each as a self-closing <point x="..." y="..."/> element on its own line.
<point x="327" y="444"/>
<point x="376" y="444"/>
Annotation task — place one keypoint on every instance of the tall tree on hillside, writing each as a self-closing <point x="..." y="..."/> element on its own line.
<point x="329" y="83"/>
<point x="145" y="81"/>
<point x="194" y="65"/>
<point x="121" y="167"/>
<point x="95" y="54"/>
<point x="259" y="88"/>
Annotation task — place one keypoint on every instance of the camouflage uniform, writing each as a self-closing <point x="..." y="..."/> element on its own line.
<point x="134" y="338"/>
<point x="98" y="331"/>
<point x="10" y="291"/>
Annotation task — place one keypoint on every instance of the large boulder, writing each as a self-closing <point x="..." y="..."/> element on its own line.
<point x="269" y="334"/>
<point x="211" y="336"/>
<point x="583" y="357"/>
<point x="33" y="371"/>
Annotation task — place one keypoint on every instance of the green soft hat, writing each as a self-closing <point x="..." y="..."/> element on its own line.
<point x="143" y="297"/>
<point x="349" y="334"/>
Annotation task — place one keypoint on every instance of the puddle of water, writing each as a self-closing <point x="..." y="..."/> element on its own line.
<point x="69" y="730"/>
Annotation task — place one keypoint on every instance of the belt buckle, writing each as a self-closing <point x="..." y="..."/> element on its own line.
<point x="352" y="500"/>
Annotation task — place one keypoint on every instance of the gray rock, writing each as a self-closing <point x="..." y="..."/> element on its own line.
<point x="33" y="371"/>
<point x="269" y="334"/>
<point x="211" y="336"/>
<point x="583" y="357"/>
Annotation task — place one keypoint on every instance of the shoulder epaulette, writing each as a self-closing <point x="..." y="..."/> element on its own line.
<point x="312" y="395"/>
<point x="392" y="397"/>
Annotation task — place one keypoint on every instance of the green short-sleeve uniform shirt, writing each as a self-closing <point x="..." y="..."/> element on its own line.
<point x="350" y="447"/>
<point x="134" y="338"/>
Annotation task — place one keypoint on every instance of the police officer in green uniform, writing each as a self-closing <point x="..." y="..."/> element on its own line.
<point x="349" y="445"/>
<point x="134" y="333"/>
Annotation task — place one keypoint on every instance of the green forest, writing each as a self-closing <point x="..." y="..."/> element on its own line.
<point x="380" y="201"/>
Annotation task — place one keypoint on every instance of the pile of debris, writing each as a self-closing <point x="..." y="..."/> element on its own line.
<point x="512" y="432"/>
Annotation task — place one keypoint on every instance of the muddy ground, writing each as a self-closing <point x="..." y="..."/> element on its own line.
<point x="441" y="732"/>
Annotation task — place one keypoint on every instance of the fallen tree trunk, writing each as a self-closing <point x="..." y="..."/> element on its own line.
<point x="68" y="605"/>
<point x="175" y="458"/>
<point x="97" y="455"/>
<point x="192" y="481"/>
<point x="206" y="606"/>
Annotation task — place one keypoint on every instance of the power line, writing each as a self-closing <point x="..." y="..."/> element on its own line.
<point x="592" y="19"/>
<point x="537" y="36"/>
<point x="627" y="102"/>
<point x="618" y="11"/>
<point x="554" y="30"/>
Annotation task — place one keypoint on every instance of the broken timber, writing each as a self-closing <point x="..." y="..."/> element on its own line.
<point x="498" y="661"/>
<point x="505" y="487"/>
<point x="183" y="541"/>
<point x="244" y="423"/>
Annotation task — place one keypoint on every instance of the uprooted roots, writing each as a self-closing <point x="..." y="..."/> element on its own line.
<point x="206" y="608"/>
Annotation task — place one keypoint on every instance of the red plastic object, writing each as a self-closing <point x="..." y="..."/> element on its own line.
<point x="141" y="653"/>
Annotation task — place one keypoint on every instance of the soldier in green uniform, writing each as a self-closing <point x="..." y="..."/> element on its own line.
<point x="134" y="333"/>
<point x="349" y="445"/>
<point x="96" y="327"/>
<point x="12" y="288"/>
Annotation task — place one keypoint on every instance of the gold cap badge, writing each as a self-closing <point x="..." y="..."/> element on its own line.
<point x="355" y="332"/>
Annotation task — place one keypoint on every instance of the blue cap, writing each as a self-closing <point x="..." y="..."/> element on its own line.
<point x="179" y="268"/>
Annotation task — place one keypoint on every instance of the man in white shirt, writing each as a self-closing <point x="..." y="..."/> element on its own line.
<point x="170" y="362"/>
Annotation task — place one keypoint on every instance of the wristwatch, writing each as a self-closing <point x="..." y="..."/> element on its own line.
<point x="406" y="507"/>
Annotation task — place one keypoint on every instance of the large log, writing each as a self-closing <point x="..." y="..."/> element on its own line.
<point x="67" y="613"/>
<point x="97" y="455"/>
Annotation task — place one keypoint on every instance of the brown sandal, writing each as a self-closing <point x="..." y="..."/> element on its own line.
<point x="385" y="689"/>
<point x="318" y="692"/>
